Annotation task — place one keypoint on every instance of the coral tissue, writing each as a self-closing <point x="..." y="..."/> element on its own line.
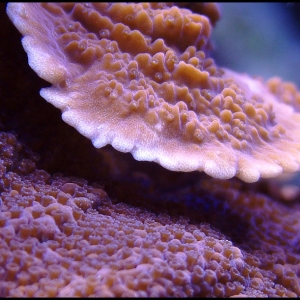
<point x="137" y="76"/>
<point x="61" y="237"/>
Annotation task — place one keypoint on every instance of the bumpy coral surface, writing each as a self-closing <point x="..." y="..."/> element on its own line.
<point x="137" y="76"/>
<point x="63" y="237"/>
<point x="139" y="230"/>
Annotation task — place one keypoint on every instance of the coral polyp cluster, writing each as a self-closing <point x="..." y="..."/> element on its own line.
<point x="138" y="76"/>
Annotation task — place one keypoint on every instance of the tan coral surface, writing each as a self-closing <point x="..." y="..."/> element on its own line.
<point x="61" y="236"/>
<point x="64" y="235"/>
<point x="137" y="76"/>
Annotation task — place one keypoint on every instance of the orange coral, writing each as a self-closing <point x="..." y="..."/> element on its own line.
<point x="286" y="91"/>
<point x="63" y="237"/>
<point x="246" y="243"/>
<point x="136" y="76"/>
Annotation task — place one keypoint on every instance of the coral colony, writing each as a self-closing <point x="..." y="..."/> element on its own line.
<point x="139" y="77"/>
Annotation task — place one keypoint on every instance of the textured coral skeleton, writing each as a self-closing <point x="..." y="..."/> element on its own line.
<point x="62" y="237"/>
<point x="137" y="76"/>
<point x="177" y="234"/>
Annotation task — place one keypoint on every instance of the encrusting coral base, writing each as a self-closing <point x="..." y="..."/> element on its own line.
<point x="61" y="236"/>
